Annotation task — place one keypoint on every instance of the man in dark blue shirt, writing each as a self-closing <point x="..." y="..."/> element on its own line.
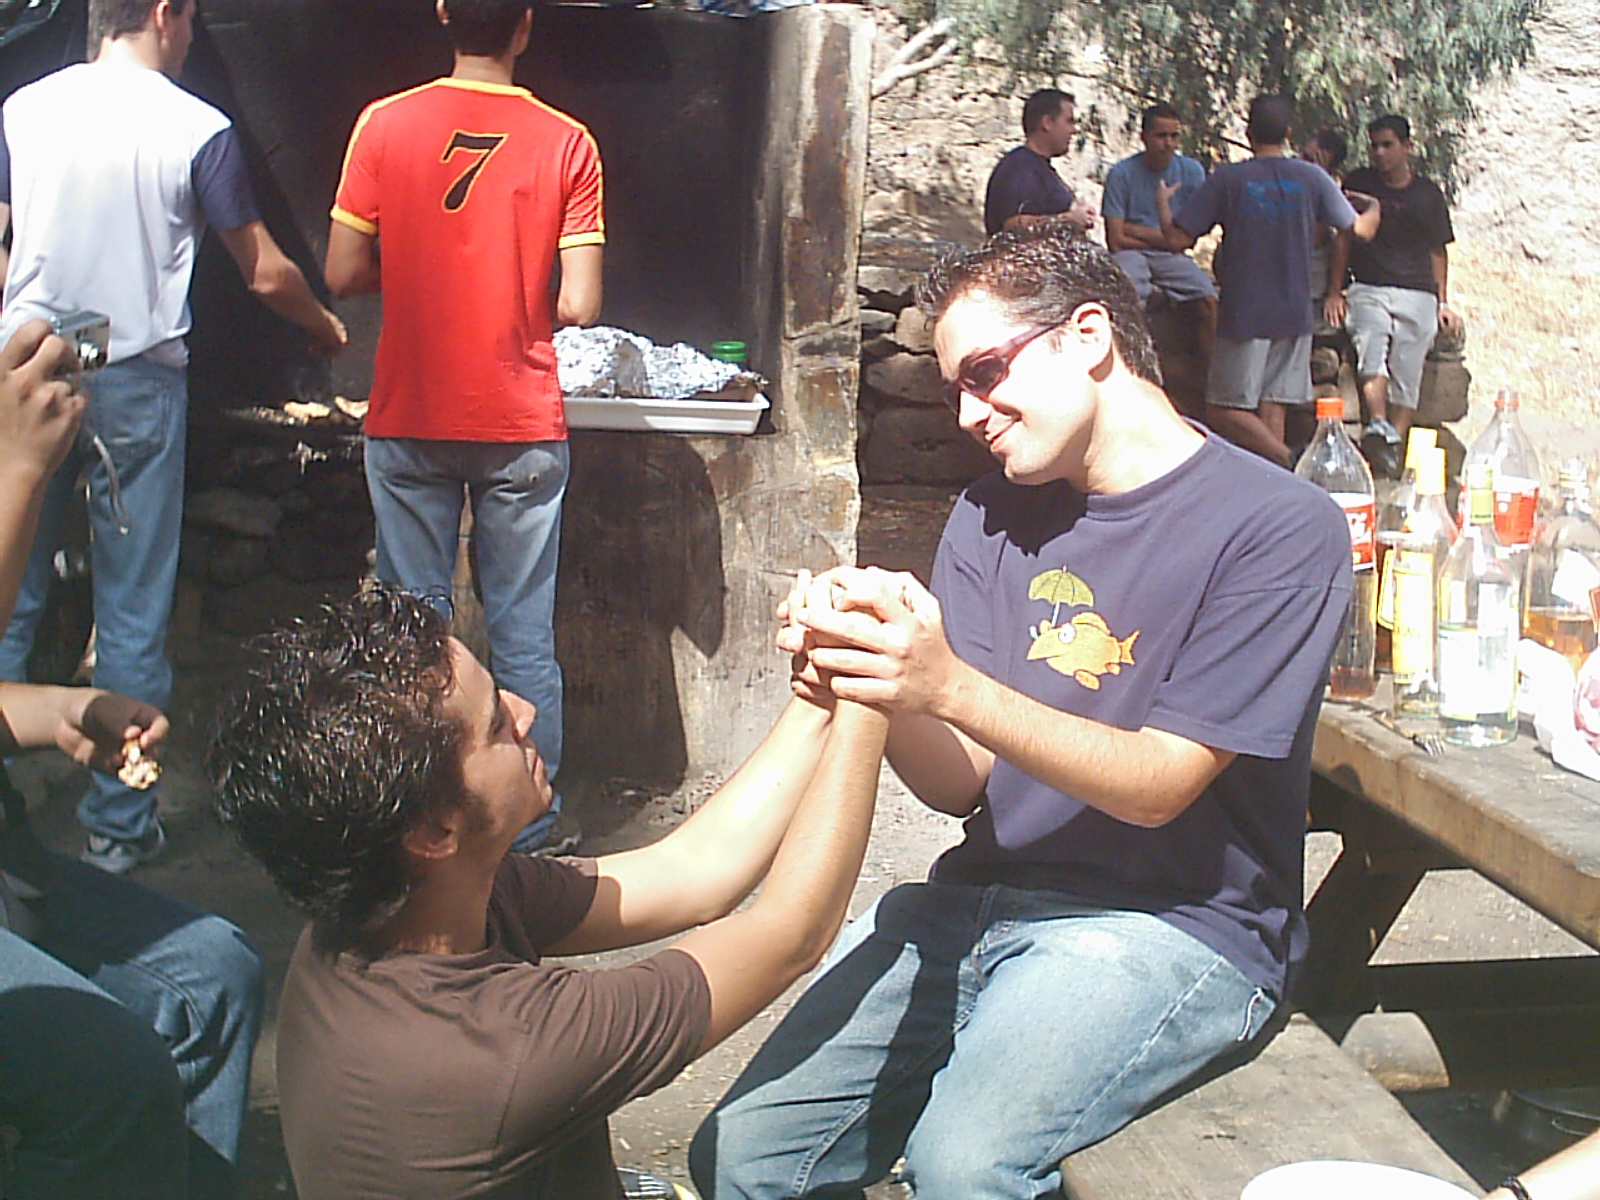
<point x="1119" y="697"/>
<point x="1024" y="188"/>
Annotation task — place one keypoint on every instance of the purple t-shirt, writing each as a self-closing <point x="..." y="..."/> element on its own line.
<point x="1268" y="209"/>
<point x="1206" y="604"/>
<point x="1023" y="182"/>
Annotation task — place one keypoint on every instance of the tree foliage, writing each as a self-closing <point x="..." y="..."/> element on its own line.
<point x="1342" y="61"/>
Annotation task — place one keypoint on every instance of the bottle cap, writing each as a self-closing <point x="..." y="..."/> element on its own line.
<point x="1506" y="398"/>
<point x="729" y="352"/>
<point x="1430" y="471"/>
<point x="1330" y="408"/>
<point x="1418" y="440"/>
<point x="1574" y="475"/>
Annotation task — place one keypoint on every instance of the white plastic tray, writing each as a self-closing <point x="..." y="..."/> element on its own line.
<point x="665" y="416"/>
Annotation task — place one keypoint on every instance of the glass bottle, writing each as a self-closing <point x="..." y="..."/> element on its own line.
<point x="1420" y="550"/>
<point x="1562" y="589"/>
<point x="1478" y="627"/>
<point x="1333" y="463"/>
<point x="1394" y="505"/>
<point x="1505" y="448"/>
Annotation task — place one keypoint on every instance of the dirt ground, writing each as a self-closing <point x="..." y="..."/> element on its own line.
<point x="1454" y="915"/>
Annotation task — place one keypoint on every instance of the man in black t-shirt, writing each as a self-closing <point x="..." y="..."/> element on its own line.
<point x="1024" y="188"/>
<point x="1397" y="302"/>
<point x="1115" y="680"/>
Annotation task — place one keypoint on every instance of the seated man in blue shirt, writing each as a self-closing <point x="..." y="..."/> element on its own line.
<point x="1133" y="222"/>
<point x="1024" y="188"/>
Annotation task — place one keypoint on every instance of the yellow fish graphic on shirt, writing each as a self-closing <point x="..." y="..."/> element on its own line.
<point x="1083" y="648"/>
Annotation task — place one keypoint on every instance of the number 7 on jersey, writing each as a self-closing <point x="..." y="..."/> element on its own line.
<point x="482" y="146"/>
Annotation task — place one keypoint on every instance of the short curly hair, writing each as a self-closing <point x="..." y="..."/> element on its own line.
<point x="335" y="748"/>
<point x="1041" y="276"/>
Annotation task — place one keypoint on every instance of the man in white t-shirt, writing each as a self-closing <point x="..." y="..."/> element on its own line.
<point x="109" y="173"/>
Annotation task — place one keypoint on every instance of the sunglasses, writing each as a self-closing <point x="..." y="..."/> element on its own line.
<point x="984" y="370"/>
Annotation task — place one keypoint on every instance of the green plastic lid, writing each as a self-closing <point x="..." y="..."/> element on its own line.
<point x="730" y="352"/>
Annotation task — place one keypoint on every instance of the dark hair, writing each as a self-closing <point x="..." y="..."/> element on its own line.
<point x="1333" y="142"/>
<point x="483" y="27"/>
<point x="1046" y="102"/>
<point x="1157" y="112"/>
<point x="118" y="18"/>
<point x="335" y="748"/>
<point x="1041" y="276"/>
<point x="1270" y="118"/>
<point x="1399" y="126"/>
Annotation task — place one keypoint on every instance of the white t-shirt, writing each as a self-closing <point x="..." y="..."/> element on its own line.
<point x="112" y="172"/>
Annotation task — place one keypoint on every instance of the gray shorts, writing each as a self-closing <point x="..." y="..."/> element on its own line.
<point x="1177" y="275"/>
<point x="1244" y="373"/>
<point x="1393" y="329"/>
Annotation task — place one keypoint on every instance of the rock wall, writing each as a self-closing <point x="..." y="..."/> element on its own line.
<point x="1537" y="146"/>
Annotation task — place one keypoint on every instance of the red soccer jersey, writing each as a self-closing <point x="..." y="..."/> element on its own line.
<point x="471" y="189"/>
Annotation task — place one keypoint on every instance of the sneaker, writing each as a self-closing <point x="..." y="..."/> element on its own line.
<point x="637" y="1185"/>
<point x="560" y="835"/>
<point x="118" y="858"/>
<point x="1380" y="446"/>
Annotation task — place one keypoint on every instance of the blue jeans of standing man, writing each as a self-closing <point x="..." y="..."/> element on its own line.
<point x="138" y="409"/>
<point x="516" y="489"/>
<point x="133" y="1017"/>
<point x="984" y="1033"/>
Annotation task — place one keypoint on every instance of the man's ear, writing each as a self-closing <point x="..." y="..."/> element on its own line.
<point x="435" y="839"/>
<point x="439" y="10"/>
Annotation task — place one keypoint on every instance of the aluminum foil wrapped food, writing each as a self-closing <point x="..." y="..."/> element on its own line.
<point x="604" y="361"/>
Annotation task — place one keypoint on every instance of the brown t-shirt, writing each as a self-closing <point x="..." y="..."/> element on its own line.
<point x="427" y="1076"/>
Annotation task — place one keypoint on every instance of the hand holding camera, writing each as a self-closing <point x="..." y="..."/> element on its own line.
<point x="41" y="399"/>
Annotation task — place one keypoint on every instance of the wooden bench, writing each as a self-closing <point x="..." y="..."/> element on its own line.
<point x="1299" y="1098"/>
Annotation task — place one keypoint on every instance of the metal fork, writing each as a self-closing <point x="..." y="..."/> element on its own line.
<point x="1430" y="742"/>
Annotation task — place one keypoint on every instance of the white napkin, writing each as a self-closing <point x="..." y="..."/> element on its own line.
<point x="1565" y="723"/>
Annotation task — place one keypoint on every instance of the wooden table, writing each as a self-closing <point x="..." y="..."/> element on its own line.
<point x="1507" y="812"/>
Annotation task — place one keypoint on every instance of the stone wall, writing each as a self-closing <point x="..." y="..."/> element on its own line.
<point x="1535" y="149"/>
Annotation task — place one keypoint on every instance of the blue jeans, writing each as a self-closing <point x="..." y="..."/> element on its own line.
<point x="985" y="1033"/>
<point x="134" y="1017"/>
<point x="516" y="489"/>
<point x="139" y="410"/>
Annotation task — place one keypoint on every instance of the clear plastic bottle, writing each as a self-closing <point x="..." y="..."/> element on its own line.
<point x="1506" y="450"/>
<point x="1478" y="626"/>
<point x="1420" y="551"/>
<point x="1562" y="588"/>
<point x="1333" y="463"/>
<point x="1395" y="502"/>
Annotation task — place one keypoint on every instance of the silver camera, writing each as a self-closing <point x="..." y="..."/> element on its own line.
<point x="88" y="337"/>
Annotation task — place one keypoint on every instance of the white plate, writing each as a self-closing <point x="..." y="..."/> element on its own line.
<point x="664" y="416"/>
<point x="1334" y="1180"/>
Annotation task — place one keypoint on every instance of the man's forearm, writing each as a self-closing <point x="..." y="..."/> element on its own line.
<point x="728" y="844"/>
<point x="944" y="771"/>
<point x="1339" y="261"/>
<point x="1144" y="777"/>
<point x="1441" y="273"/>
<point x="21" y="494"/>
<point x="30" y="714"/>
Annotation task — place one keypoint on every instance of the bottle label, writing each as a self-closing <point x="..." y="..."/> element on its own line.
<point x="1412" y="652"/>
<point x="1477" y="674"/>
<point x="1385" y="615"/>
<point x="1516" y="502"/>
<point x="1576" y="576"/>
<point x="1361" y="514"/>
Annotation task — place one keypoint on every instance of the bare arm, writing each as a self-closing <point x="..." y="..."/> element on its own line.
<point x="898" y="658"/>
<point x="1175" y="236"/>
<point x="39" y="416"/>
<point x="278" y="283"/>
<point x="5" y="255"/>
<point x="752" y="956"/>
<point x="578" y="301"/>
<point x="1122" y="234"/>
<point x="351" y="267"/>
<point x="89" y="724"/>
<point x="1573" y="1174"/>
<point x="1449" y="320"/>
<point x="1334" y="308"/>
<point x="702" y="870"/>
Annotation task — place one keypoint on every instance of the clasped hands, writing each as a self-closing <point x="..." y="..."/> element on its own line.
<point x="867" y="635"/>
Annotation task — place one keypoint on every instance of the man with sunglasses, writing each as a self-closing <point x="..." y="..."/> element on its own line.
<point x="1114" y="680"/>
